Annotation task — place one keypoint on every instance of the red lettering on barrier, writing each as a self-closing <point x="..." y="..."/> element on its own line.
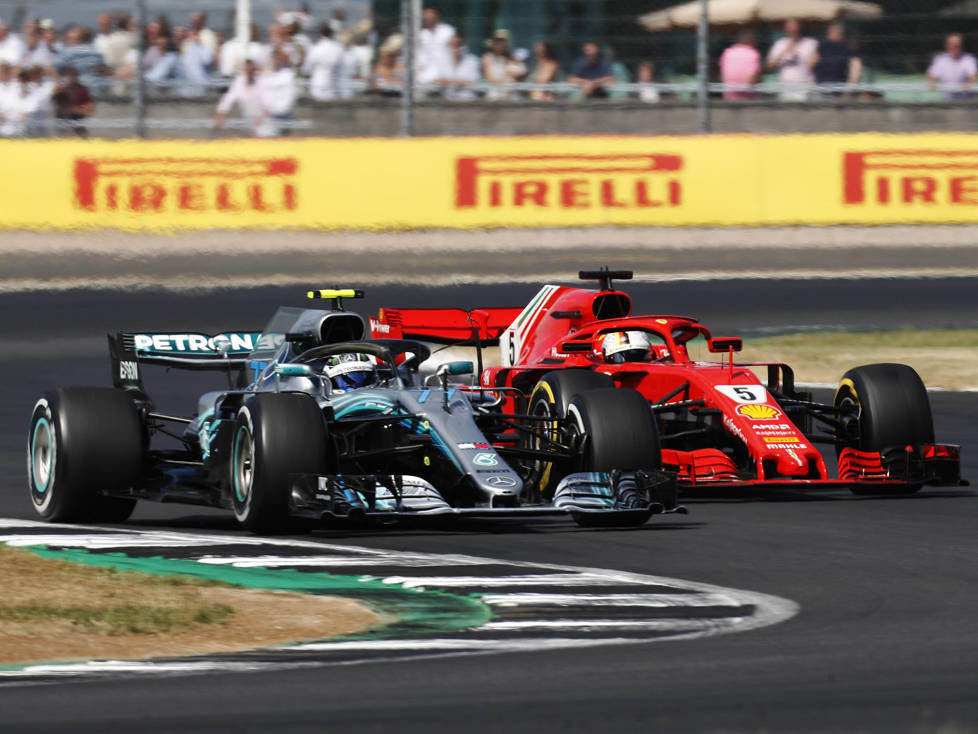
<point x="628" y="181"/>
<point x="608" y="195"/>
<point x="146" y="197"/>
<point x="919" y="188"/>
<point x="964" y="190"/>
<point x="572" y="193"/>
<point x="915" y="177"/>
<point x="155" y="185"/>
<point x="191" y="197"/>
<point x="535" y="191"/>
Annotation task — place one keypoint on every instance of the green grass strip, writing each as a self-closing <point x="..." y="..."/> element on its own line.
<point x="417" y="612"/>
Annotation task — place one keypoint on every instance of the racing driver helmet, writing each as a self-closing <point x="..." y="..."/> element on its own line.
<point x="627" y="346"/>
<point x="350" y="371"/>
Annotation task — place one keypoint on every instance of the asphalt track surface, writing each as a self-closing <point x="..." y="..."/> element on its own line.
<point x="885" y="640"/>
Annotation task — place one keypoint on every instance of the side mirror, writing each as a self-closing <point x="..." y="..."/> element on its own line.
<point x="456" y="368"/>
<point x="294" y="370"/>
<point x="725" y="344"/>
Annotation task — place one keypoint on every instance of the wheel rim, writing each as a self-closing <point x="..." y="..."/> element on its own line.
<point x="540" y="469"/>
<point x="244" y="456"/>
<point x="43" y="455"/>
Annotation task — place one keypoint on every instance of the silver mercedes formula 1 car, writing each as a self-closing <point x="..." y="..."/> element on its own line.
<point x="320" y="422"/>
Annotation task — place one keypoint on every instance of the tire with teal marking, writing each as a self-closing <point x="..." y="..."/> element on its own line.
<point x="275" y="435"/>
<point x="84" y="442"/>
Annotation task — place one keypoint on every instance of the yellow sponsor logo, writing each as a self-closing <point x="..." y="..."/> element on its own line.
<point x="758" y="412"/>
<point x="782" y="439"/>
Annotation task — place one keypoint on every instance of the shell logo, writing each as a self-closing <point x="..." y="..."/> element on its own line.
<point x="758" y="412"/>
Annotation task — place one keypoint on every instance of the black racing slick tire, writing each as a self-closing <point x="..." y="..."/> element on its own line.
<point x="885" y="406"/>
<point x="618" y="428"/>
<point x="82" y="443"/>
<point x="550" y="398"/>
<point x="275" y="435"/>
<point x="556" y="389"/>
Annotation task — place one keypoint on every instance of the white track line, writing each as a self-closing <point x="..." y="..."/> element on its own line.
<point x="391" y="559"/>
<point x="500" y="591"/>
<point x="482" y="582"/>
<point x="448" y="644"/>
<point x="609" y="600"/>
<point x="643" y="625"/>
<point x="181" y="282"/>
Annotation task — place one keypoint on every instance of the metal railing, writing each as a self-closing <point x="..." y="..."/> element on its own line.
<point x="359" y="88"/>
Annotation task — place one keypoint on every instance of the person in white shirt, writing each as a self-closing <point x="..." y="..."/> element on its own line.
<point x="7" y="85"/>
<point x="42" y="86"/>
<point x="349" y="65"/>
<point x="794" y="56"/>
<point x="500" y="66"/>
<point x="49" y="36"/>
<point x="324" y="65"/>
<point x="299" y="40"/>
<point x="460" y="72"/>
<point x="279" y="90"/>
<point x="102" y="39"/>
<point x="36" y="53"/>
<point x="954" y="70"/>
<point x="302" y="14"/>
<point x="196" y="61"/>
<point x="434" y="46"/>
<point x="204" y="35"/>
<point x="363" y="48"/>
<point x="20" y="104"/>
<point x="231" y="59"/>
<point x="250" y="93"/>
<point x="12" y="49"/>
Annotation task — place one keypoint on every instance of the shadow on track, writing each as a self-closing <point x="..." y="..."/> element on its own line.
<point x="404" y="528"/>
<point x="803" y="495"/>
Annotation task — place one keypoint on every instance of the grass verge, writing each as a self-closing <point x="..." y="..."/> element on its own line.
<point x="58" y="610"/>
<point x="945" y="358"/>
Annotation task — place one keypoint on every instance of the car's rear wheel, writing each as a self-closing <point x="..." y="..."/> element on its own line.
<point x="549" y="400"/>
<point x="275" y="435"/>
<point x="883" y="406"/>
<point x="83" y="442"/>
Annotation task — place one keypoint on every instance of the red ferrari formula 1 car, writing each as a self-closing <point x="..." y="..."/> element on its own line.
<point x="715" y="423"/>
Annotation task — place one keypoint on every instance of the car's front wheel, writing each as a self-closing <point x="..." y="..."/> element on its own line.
<point x="618" y="428"/>
<point x="883" y="406"/>
<point x="275" y="435"/>
<point x="548" y="403"/>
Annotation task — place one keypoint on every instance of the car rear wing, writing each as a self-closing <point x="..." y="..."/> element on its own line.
<point x="187" y="350"/>
<point x="478" y="327"/>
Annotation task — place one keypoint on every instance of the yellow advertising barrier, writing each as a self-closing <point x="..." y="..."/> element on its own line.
<point x="490" y="182"/>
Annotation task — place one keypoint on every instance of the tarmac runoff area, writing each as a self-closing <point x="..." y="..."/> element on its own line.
<point x="220" y="259"/>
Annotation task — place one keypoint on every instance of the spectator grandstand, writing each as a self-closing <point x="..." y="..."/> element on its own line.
<point x="526" y="52"/>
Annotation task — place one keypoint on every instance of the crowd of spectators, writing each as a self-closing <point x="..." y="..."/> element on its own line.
<point x="48" y="76"/>
<point x="829" y="67"/>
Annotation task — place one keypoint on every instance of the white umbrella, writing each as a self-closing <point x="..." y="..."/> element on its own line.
<point x="745" y="12"/>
